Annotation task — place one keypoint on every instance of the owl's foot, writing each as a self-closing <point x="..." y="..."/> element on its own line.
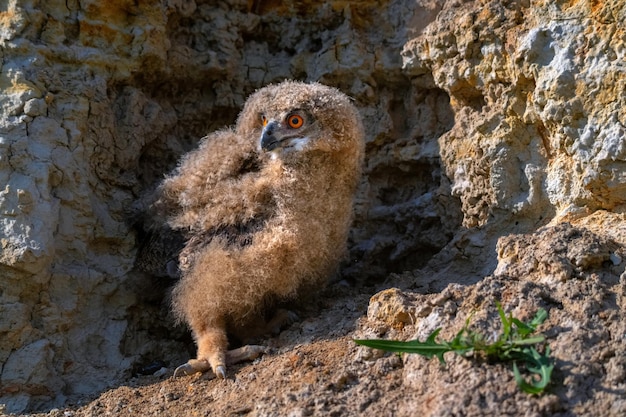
<point x="212" y="344"/>
<point x="194" y="366"/>
<point x="242" y="354"/>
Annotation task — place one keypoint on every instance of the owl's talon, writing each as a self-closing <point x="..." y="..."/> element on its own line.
<point x="183" y="370"/>
<point x="220" y="372"/>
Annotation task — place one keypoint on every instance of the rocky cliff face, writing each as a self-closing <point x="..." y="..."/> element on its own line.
<point x="484" y="119"/>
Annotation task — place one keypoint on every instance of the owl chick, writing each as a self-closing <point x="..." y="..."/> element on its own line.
<point x="264" y="209"/>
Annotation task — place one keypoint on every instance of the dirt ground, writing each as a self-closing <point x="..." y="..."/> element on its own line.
<point x="313" y="367"/>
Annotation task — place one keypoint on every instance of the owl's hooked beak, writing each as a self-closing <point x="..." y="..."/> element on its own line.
<point x="269" y="139"/>
<point x="276" y="136"/>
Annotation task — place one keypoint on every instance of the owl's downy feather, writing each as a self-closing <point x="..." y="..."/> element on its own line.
<point x="265" y="206"/>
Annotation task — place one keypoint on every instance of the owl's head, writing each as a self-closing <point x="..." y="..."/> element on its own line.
<point x="297" y="117"/>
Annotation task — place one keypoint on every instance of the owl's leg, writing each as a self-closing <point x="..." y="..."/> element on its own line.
<point x="212" y="344"/>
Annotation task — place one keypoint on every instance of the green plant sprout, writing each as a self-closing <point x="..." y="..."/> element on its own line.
<point x="516" y="343"/>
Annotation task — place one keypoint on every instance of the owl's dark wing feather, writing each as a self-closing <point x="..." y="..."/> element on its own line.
<point x="216" y="191"/>
<point x="232" y="236"/>
<point x="158" y="252"/>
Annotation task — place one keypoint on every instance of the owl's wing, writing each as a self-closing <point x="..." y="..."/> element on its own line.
<point x="217" y="184"/>
<point x="217" y="190"/>
<point x="159" y="250"/>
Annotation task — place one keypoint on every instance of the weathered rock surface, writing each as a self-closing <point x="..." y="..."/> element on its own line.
<point x="486" y="121"/>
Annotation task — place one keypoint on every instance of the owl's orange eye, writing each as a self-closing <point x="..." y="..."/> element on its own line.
<point x="264" y="120"/>
<point x="295" y="121"/>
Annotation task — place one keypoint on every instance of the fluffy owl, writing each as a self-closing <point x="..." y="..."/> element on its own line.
<point x="264" y="208"/>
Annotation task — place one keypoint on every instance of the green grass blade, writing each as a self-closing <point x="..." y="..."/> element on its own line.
<point x="522" y="328"/>
<point x="535" y="387"/>
<point x="506" y="322"/>
<point x="428" y="348"/>
<point x="528" y="341"/>
<point x="464" y="342"/>
<point x="540" y="316"/>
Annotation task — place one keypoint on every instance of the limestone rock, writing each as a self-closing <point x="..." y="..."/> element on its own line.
<point x="556" y="253"/>
<point x="392" y="307"/>
<point x="584" y="329"/>
<point x="538" y="104"/>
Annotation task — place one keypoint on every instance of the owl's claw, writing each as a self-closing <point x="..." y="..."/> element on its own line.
<point x="182" y="370"/>
<point x="191" y="367"/>
<point x="244" y="353"/>
<point x="220" y="372"/>
<point x="188" y="369"/>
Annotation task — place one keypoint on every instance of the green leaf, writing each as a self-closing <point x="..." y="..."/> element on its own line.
<point x="528" y="341"/>
<point x="428" y="348"/>
<point x="522" y="328"/>
<point x="537" y="364"/>
<point x="506" y="322"/>
<point x="540" y="316"/>
<point x="464" y="341"/>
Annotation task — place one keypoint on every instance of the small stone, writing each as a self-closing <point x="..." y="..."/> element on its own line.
<point x="35" y="107"/>
<point x="391" y="306"/>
